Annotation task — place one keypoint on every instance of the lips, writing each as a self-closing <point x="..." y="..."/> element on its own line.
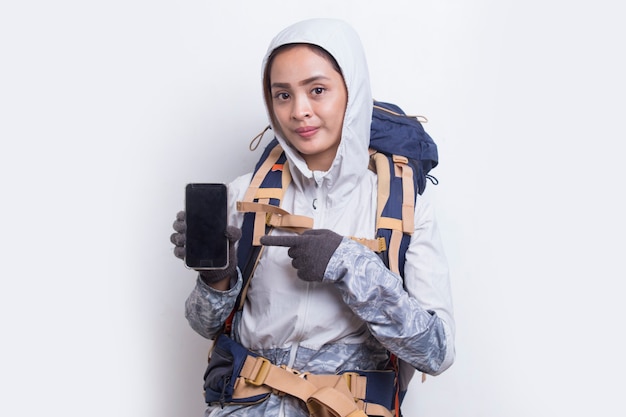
<point x="307" y="131"/>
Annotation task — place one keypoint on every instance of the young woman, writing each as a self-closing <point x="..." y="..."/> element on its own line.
<point x="319" y="302"/>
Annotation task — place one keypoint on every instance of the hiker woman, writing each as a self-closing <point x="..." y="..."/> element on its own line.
<point x="319" y="302"/>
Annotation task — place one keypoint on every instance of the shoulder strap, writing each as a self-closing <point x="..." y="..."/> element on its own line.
<point x="395" y="207"/>
<point x="262" y="212"/>
<point x="403" y="154"/>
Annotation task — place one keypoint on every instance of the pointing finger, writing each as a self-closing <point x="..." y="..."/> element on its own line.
<point x="286" y="241"/>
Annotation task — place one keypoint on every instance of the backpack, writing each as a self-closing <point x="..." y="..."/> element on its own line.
<point x="402" y="155"/>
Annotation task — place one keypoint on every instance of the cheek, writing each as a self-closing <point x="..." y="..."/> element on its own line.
<point x="339" y="112"/>
<point x="281" y="113"/>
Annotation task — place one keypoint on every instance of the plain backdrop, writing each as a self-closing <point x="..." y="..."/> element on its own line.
<point x="108" y="108"/>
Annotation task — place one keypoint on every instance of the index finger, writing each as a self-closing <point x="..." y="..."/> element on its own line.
<point x="285" y="241"/>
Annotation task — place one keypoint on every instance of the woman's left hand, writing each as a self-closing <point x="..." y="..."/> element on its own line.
<point x="310" y="252"/>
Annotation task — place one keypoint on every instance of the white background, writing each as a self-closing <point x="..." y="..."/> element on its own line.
<point x="108" y="108"/>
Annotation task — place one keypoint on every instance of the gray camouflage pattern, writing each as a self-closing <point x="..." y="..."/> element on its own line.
<point x="377" y="296"/>
<point x="206" y="309"/>
<point x="395" y="320"/>
<point x="274" y="406"/>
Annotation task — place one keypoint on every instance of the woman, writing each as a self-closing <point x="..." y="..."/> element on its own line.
<point x="334" y="306"/>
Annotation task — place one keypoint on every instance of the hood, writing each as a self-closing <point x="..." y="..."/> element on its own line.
<point x="351" y="162"/>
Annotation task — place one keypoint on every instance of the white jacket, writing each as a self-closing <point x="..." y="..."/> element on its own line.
<point x="361" y="309"/>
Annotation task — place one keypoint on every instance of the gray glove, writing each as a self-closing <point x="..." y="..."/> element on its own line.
<point x="233" y="234"/>
<point x="179" y="238"/>
<point x="310" y="252"/>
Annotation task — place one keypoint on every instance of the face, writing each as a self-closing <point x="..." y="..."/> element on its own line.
<point x="308" y="99"/>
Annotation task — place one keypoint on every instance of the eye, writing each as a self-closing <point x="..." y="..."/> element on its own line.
<point x="282" y="96"/>
<point x="318" y="90"/>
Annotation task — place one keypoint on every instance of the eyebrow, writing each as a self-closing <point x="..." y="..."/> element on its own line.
<point x="303" y="82"/>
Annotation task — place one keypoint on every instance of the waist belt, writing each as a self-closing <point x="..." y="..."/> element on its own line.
<point x="254" y="378"/>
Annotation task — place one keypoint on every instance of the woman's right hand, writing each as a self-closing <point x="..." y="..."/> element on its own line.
<point x="180" y="236"/>
<point x="211" y="277"/>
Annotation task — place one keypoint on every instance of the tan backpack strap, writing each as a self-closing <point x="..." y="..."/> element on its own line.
<point x="263" y="196"/>
<point x="254" y="189"/>
<point x="259" y="224"/>
<point x="404" y="170"/>
<point x="325" y="395"/>
<point x="328" y="398"/>
<point x="380" y="164"/>
<point x="377" y="245"/>
<point x="269" y="215"/>
<point x="373" y="409"/>
<point x="401" y="169"/>
<point x="394" y="250"/>
<point x="258" y="371"/>
<point x="389" y="223"/>
<point x="244" y="289"/>
<point x="286" y="178"/>
<point x="258" y="178"/>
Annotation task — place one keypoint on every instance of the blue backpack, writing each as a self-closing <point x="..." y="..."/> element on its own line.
<point x="402" y="154"/>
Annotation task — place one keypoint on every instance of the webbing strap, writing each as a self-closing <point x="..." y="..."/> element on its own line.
<point x="246" y="284"/>
<point x="247" y="207"/>
<point x="374" y="409"/>
<point x="394" y="250"/>
<point x="286" y="177"/>
<point x="261" y="196"/>
<point x="258" y="178"/>
<point x="408" y="192"/>
<point x="342" y="395"/>
<point x="328" y="398"/>
<point x="401" y="169"/>
<point x="389" y="223"/>
<point x="377" y="245"/>
<point x="259" y="224"/>
<point x="292" y="222"/>
<point x="274" y="216"/>
<point x="406" y="223"/>
<point x="276" y="193"/>
<point x="267" y="193"/>
<point x="258" y="371"/>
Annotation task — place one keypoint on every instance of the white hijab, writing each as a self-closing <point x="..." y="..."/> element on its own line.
<point x="343" y="43"/>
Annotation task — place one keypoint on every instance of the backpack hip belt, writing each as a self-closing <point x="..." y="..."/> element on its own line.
<point x="250" y="378"/>
<point x="344" y="394"/>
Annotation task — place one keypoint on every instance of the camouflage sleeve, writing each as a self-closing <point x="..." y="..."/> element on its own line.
<point x="375" y="294"/>
<point x="206" y="309"/>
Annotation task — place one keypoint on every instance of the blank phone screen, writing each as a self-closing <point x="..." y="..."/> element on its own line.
<point x="206" y="244"/>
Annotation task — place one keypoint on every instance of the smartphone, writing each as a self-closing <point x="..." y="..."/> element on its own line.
<point x="206" y="245"/>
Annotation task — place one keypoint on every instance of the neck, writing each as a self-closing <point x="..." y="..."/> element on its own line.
<point x="321" y="161"/>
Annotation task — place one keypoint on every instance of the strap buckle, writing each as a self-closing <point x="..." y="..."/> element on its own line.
<point x="262" y="368"/>
<point x="268" y="219"/>
<point x="348" y="377"/>
<point x="382" y="244"/>
<point x="291" y="371"/>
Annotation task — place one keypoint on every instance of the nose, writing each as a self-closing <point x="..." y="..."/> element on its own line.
<point x="301" y="108"/>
